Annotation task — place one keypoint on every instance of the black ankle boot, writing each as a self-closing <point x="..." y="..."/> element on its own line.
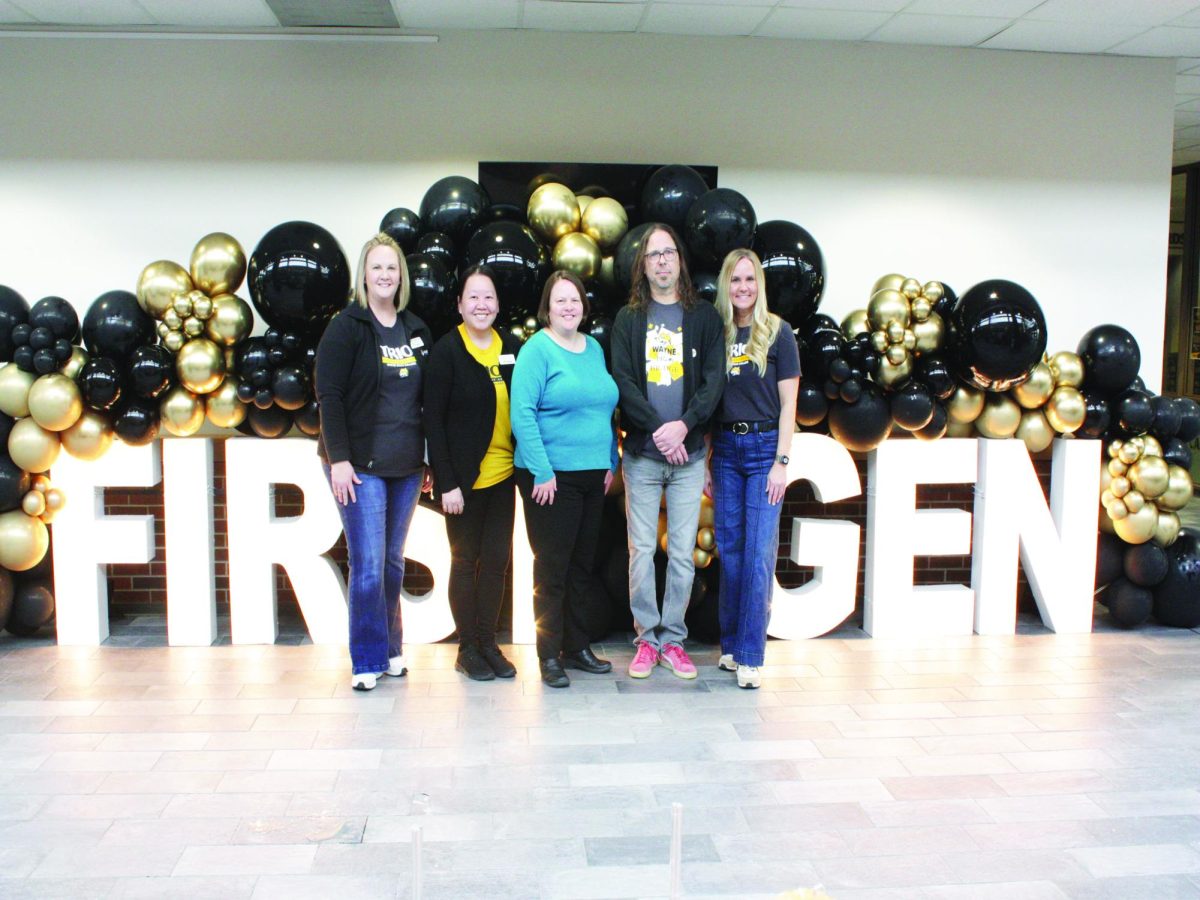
<point x="553" y="674"/>
<point x="586" y="661"/>
<point x="497" y="660"/>
<point x="472" y="664"/>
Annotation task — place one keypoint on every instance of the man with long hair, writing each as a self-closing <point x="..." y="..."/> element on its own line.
<point x="668" y="355"/>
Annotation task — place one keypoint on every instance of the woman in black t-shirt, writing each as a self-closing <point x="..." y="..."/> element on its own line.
<point x="752" y="437"/>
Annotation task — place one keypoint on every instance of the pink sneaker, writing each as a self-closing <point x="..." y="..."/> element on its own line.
<point x="643" y="661"/>
<point x="676" y="659"/>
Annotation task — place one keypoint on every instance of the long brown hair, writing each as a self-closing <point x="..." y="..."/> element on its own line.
<point x="639" y="294"/>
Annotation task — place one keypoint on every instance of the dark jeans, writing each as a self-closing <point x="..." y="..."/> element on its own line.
<point x="480" y="545"/>
<point x="563" y="536"/>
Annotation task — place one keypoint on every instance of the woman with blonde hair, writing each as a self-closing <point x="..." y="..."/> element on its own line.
<point x="752" y="436"/>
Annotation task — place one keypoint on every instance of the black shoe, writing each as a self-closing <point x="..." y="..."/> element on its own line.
<point x="553" y="674"/>
<point x="586" y="661"/>
<point x="498" y="662"/>
<point x="472" y="664"/>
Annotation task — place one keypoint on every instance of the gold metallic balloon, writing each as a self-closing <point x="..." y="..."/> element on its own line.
<point x="162" y="329"/>
<point x="1116" y="468"/>
<point x="1066" y="409"/>
<point x="1150" y="475"/>
<point x="706" y="539"/>
<point x="1114" y="448"/>
<point x="896" y="355"/>
<point x="1134" y="500"/>
<point x="1167" y="528"/>
<point x="55" y="402"/>
<point x="1179" y="489"/>
<point x="55" y="500"/>
<point x="32" y="447"/>
<point x="960" y="429"/>
<point x="929" y="332"/>
<point x="200" y="365"/>
<point x="1137" y="527"/>
<point x="230" y="359"/>
<point x="604" y="220"/>
<point x="72" y="367"/>
<point x="14" y="390"/>
<point x="910" y="288"/>
<point x="920" y="308"/>
<point x="33" y="503"/>
<point x="1000" y="417"/>
<point x="40" y="483"/>
<point x="553" y="212"/>
<point x="933" y="291"/>
<point x="1129" y="452"/>
<point x="1105" y="479"/>
<point x="202" y="307"/>
<point x="608" y="276"/>
<point x="218" y="264"/>
<point x="23" y="541"/>
<point x="964" y="405"/>
<point x="193" y="327"/>
<point x="1106" y="498"/>
<point x="89" y="438"/>
<point x="908" y="339"/>
<point x="172" y="319"/>
<point x="174" y="341"/>
<point x="1116" y="508"/>
<point x="879" y="341"/>
<point x="890" y="373"/>
<point x="707" y="512"/>
<point x="701" y="558"/>
<point x="1120" y="486"/>
<point x="1035" y="390"/>
<point x="1067" y="368"/>
<point x="1150" y="445"/>
<point x="1106" y="525"/>
<point x="855" y="323"/>
<point x="891" y="282"/>
<point x="159" y="284"/>
<point x="888" y="306"/>
<point x="583" y="200"/>
<point x="223" y="407"/>
<point x="1035" y="431"/>
<point x="181" y="412"/>
<point x="894" y="331"/>
<point x="183" y="305"/>
<point x="578" y="253"/>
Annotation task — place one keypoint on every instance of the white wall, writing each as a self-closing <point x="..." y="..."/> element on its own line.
<point x="1050" y="170"/>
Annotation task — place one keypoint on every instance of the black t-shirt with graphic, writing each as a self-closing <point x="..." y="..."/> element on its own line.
<point x="398" y="445"/>
<point x="749" y="397"/>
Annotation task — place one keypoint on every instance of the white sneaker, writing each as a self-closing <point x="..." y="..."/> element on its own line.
<point x="748" y="677"/>
<point x="364" y="682"/>
<point x="726" y="663"/>
<point x="397" y="667"/>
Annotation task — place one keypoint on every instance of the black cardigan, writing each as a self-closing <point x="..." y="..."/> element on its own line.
<point x="347" y="380"/>
<point x="460" y="410"/>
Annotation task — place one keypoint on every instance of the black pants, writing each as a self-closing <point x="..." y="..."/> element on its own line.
<point x="563" y="536"/>
<point x="480" y="545"/>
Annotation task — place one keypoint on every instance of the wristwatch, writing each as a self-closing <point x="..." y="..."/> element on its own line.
<point x="782" y="460"/>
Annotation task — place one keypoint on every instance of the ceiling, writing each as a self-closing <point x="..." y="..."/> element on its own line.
<point x="1160" y="28"/>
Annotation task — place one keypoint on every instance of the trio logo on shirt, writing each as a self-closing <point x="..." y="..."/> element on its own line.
<point x="399" y="358"/>
<point x="664" y="355"/>
<point x="737" y="359"/>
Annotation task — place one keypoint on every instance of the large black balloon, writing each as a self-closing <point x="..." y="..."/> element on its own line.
<point x="1167" y="417"/>
<point x="1177" y="596"/>
<point x="32" y="607"/>
<point x="1097" y="415"/>
<point x="14" y="482"/>
<point x="57" y="315"/>
<point x="269" y="423"/>
<point x="431" y="293"/>
<point x="998" y="335"/>
<point x="441" y="246"/>
<point x="1177" y="453"/>
<point x="945" y="305"/>
<point x="933" y="372"/>
<point x="1129" y="605"/>
<point x="669" y="193"/>
<point x="503" y="212"/>
<point x="1135" y="412"/>
<point x="818" y="350"/>
<point x="100" y="383"/>
<point x="517" y="261"/>
<point x="600" y="328"/>
<point x="290" y="387"/>
<point x="935" y="428"/>
<point x="298" y="278"/>
<point x="793" y="268"/>
<point x="151" y="370"/>
<point x="13" y="311"/>
<point x="403" y="226"/>
<point x="720" y="221"/>
<point x="1110" y="559"/>
<point x="308" y="418"/>
<point x="1111" y="358"/>
<point x="912" y="406"/>
<point x="705" y="286"/>
<point x="1189" y="419"/>
<point x="864" y="424"/>
<point x="626" y="255"/>
<point x="136" y="421"/>
<point x="1146" y="564"/>
<point x="454" y="205"/>
<point x="115" y="325"/>
<point x="811" y="404"/>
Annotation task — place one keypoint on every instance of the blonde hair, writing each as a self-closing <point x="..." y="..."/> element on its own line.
<point x="360" y="277"/>
<point x="764" y="325"/>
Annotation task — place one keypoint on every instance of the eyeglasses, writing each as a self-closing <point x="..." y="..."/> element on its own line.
<point x="667" y="254"/>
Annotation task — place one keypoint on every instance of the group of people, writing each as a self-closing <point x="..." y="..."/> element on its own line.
<point x="706" y="395"/>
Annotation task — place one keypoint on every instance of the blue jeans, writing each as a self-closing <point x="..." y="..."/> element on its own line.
<point x="747" y="528"/>
<point x="376" y="525"/>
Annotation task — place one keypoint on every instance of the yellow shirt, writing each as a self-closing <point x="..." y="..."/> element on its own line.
<point x="497" y="462"/>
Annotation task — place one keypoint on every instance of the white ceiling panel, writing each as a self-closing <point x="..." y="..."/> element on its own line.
<point x="1117" y="12"/>
<point x="1061" y="37"/>
<point x="689" y="18"/>
<point x="995" y="8"/>
<point x="211" y="13"/>
<point x="557" y="16"/>
<point x="1187" y="84"/>
<point x="85" y="12"/>
<point x="821" y="24"/>
<point x="1166" y="41"/>
<point x="458" y="13"/>
<point x="954" y="31"/>
<point x="11" y="15"/>
<point x="1190" y="20"/>
<point x="1186" y="64"/>
<point x="891" y="6"/>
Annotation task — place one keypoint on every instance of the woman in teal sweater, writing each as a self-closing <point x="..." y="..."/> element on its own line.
<point x="566" y="454"/>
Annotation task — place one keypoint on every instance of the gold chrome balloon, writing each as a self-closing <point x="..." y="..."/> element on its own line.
<point x="23" y="541"/>
<point x="910" y="288"/>
<point x="1065" y="410"/>
<point x="879" y="341"/>
<point x="706" y="539"/>
<point x="1137" y="527"/>
<point x="72" y="367"/>
<point x="89" y="438"/>
<point x="202" y="307"/>
<point x="174" y="341"/>
<point x="183" y="306"/>
<point x="701" y="558"/>
<point x="218" y="264"/>
<point x="181" y="412"/>
<point x="33" y="503"/>
<point x="891" y="282"/>
<point x="1116" y="467"/>
<point x="223" y="407"/>
<point x="1150" y="445"/>
<point x="200" y="365"/>
<point x="1119" y="486"/>
<point x="193" y="327"/>
<point x="1129" y="452"/>
<point x="1134" y="500"/>
<point x="707" y="512"/>
<point x="1179" y="489"/>
<point x="855" y="323"/>
<point x="1167" y="528"/>
<point x="929" y="333"/>
<point x="40" y="483"/>
<point x="964" y="405"/>
<point x="920" y="308"/>
<point x="583" y="200"/>
<point x="55" y="402"/>
<point x="604" y="220"/>
<point x="1067" y="368"/>
<point x="231" y="320"/>
<point x="577" y="253"/>
<point x="55" y="500"/>
<point x="1116" y="508"/>
<point x="896" y="355"/>
<point x="888" y="306"/>
<point x="892" y="373"/>
<point x="159" y="284"/>
<point x="1000" y="417"/>
<point x="172" y="319"/>
<point x="933" y="291"/>
<point x="960" y="429"/>
<point x="553" y="212"/>
<point x="1035" y="431"/>
<point x="32" y="447"/>
<point x="1150" y="475"/>
<point x="1035" y="390"/>
<point x="894" y="331"/>
<point x="14" y="390"/>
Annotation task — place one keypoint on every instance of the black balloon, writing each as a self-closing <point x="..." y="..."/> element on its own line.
<point x="13" y="311"/>
<point x="600" y="328"/>
<point x="933" y="372"/>
<point x="1097" y="414"/>
<point x="935" y="429"/>
<point x="298" y="278"/>
<point x="271" y="422"/>
<point x="1111" y="358"/>
<point x="1177" y="596"/>
<point x="516" y="259"/>
<point x="720" y="221"/>
<point x="40" y="337"/>
<point x="705" y="285"/>
<point x="45" y="361"/>
<point x="22" y="357"/>
<point x="403" y="226"/>
<point x="1189" y="419"/>
<point x="793" y="268"/>
<point x="136" y="421"/>
<point x="6" y="424"/>
<point x="441" y="246"/>
<point x="863" y="425"/>
<point x="503" y="212"/>
<point x="308" y="418"/>
<point x="290" y="387"/>
<point x="626" y="255"/>
<point x="1135" y="412"/>
<point x="912" y="406"/>
<point x="100" y="383"/>
<point x="14" y="483"/>
<point x="945" y="305"/>
<point x="32" y="607"/>
<point x="115" y="325"/>
<point x="252" y="356"/>
<point x="1177" y="453"/>
<point x="151" y="371"/>
<point x="1146" y="564"/>
<point x="864" y="358"/>
<point x="1129" y="605"/>
<point x="998" y="335"/>
<point x="818" y="350"/>
<point x="431" y="293"/>
<point x="1167" y="416"/>
<point x="1110" y="559"/>
<point x="454" y="205"/>
<point x="6" y="596"/>
<point x="57" y="316"/>
<point x="811" y="404"/>
<point x="669" y="193"/>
